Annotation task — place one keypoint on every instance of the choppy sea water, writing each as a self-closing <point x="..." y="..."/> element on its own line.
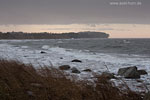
<point x="121" y="46"/>
<point x="94" y="53"/>
<point x="123" y="52"/>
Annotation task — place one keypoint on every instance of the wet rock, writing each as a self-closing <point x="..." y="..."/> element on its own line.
<point x="64" y="67"/>
<point x="108" y="75"/>
<point x="42" y="52"/>
<point x="147" y="96"/>
<point x="129" y="72"/>
<point x="142" y="72"/>
<point x="122" y="71"/>
<point x="61" y="57"/>
<point x="75" y="70"/>
<point x="76" y="60"/>
<point x="139" y="80"/>
<point x="87" y="70"/>
<point x="132" y="74"/>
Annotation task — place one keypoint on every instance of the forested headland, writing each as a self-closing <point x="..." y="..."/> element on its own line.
<point x="46" y="35"/>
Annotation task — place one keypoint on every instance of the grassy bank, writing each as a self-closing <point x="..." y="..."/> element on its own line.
<point x="23" y="82"/>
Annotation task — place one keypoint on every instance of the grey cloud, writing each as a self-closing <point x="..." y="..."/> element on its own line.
<point x="71" y="11"/>
<point x="94" y="29"/>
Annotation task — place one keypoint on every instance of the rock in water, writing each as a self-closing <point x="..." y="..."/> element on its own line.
<point x="42" y="52"/>
<point x="87" y="70"/>
<point x="122" y="71"/>
<point x="64" y="67"/>
<point x="142" y="72"/>
<point x="129" y="72"/>
<point x="61" y="57"/>
<point x="75" y="70"/>
<point x="76" y="60"/>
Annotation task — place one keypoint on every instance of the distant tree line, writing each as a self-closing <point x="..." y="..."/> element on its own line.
<point x="46" y="35"/>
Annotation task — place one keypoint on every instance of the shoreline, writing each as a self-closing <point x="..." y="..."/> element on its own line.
<point x="53" y="57"/>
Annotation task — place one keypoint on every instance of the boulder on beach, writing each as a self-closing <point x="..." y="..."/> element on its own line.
<point x="108" y="75"/>
<point x="142" y="72"/>
<point x="76" y="60"/>
<point x="87" y="70"/>
<point x="129" y="72"/>
<point x="64" y="67"/>
<point x="75" y="70"/>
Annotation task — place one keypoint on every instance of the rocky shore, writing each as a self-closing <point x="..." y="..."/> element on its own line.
<point x="81" y="67"/>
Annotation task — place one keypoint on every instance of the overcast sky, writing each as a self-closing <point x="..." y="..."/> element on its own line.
<point x="72" y="12"/>
<point x="119" y="18"/>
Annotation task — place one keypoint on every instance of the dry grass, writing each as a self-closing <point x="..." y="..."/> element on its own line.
<point x="23" y="82"/>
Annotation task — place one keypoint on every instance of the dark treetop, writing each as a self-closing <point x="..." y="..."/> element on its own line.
<point x="45" y="35"/>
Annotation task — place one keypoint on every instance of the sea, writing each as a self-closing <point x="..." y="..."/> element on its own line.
<point x="95" y="54"/>
<point x="118" y="46"/>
